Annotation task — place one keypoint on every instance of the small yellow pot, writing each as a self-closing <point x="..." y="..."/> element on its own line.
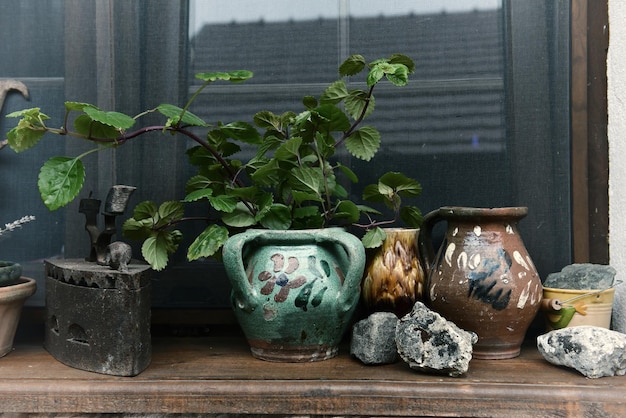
<point x="569" y="308"/>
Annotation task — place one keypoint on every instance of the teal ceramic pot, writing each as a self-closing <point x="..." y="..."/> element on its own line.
<point x="294" y="292"/>
<point x="10" y="272"/>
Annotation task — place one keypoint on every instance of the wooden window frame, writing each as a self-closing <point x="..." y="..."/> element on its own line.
<point x="589" y="141"/>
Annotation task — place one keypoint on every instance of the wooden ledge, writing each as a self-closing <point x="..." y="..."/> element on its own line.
<point x="218" y="375"/>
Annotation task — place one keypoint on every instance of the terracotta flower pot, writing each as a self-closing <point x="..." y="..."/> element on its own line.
<point x="12" y="299"/>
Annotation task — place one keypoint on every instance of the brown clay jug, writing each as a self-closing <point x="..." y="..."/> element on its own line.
<point x="482" y="277"/>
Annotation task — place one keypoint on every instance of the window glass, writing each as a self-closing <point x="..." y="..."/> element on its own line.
<point x="483" y="122"/>
<point x="31" y="52"/>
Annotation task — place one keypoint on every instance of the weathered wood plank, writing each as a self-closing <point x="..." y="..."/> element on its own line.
<point x="218" y="375"/>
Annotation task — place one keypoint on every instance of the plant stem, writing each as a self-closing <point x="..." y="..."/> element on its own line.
<point x="356" y="123"/>
<point x="189" y="218"/>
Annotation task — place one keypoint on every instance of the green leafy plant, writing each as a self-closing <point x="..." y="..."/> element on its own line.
<point x="291" y="181"/>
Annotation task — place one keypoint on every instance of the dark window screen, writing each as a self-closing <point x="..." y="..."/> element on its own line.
<point x="483" y="122"/>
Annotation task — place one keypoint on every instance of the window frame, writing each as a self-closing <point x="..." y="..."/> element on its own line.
<point x="589" y="139"/>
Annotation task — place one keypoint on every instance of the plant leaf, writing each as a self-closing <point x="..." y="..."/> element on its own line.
<point x="236" y="76"/>
<point x="348" y="210"/>
<point x="400" y="76"/>
<point x="223" y="203"/>
<point x="239" y="218"/>
<point x="374" y="238"/>
<point x="401" y="184"/>
<point x="289" y="150"/>
<point x="60" y="181"/>
<point x="22" y="137"/>
<point x="363" y="143"/>
<point x="354" y="64"/>
<point x="173" y="113"/>
<point x="368" y="209"/>
<point x="372" y="193"/>
<point x="208" y="242"/>
<point x="77" y="106"/>
<point x="375" y="75"/>
<point x="137" y="229"/>
<point x="348" y="173"/>
<point x="241" y="131"/>
<point x="29" y="129"/>
<point x="307" y="179"/>
<point x="198" y="195"/>
<point x="114" y="119"/>
<point x="356" y="101"/>
<point x="169" y="211"/>
<point x="411" y="215"/>
<point x="155" y="249"/>
<point x="33" y="113"/>
<point x="267" y="120"/>
<point x="403" y="59"/>
<point x="300" y="197"/>
<point x="265" y="175"/>
<point x="89" y="127"/>
<point x="277" y="217"/>
<point x="334" y="93"/>
<point x="333" y="116"/>
<point x="145" y="210"/>
<point x="307" y="217"/>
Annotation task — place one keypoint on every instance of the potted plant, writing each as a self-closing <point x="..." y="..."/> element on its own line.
<point x="14" y="290"/>
<point x="292" y="182"/>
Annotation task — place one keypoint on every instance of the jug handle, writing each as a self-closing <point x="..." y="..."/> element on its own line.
<point x="425" y="239"/>
<point x="246" y="295"/>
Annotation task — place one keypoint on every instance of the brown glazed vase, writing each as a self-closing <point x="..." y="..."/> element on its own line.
<point x="482" y="277"/>
<point x="394" y="277"/>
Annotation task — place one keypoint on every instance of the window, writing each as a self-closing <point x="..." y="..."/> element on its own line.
<point x="485" y="120"/>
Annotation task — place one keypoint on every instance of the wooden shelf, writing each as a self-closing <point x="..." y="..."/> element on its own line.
<point x="216" y="374"/>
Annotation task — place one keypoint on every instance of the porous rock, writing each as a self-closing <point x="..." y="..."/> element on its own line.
<point x="593" y="351"/>
<point x="582" y="276"/>
<point x="373" y="339"/>
<point x="430" y="343"/>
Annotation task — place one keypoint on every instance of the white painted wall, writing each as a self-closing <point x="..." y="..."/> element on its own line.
<point x="616" y="95"/>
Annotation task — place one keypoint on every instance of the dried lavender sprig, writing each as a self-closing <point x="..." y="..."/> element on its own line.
<point x="16" y="224"/>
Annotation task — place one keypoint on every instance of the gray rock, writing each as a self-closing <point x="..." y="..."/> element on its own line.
<point x="593" y="351"/>
<point x="373" y="339"/>
<point x="429" y="343"/>
<point x="118" y="255"/>
<point x="581" y="277"/>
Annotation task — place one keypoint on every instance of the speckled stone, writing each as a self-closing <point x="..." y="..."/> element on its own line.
<point x="582" y="277"/>
<point x="430" y="343"/>
<point x="593" y="351"/>
<point x="373" y="339"/>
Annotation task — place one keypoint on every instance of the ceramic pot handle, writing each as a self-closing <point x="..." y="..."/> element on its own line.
<point x="356" y="256"/>
<point x="425" y="239"/>
<point x="244" y="294"/>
